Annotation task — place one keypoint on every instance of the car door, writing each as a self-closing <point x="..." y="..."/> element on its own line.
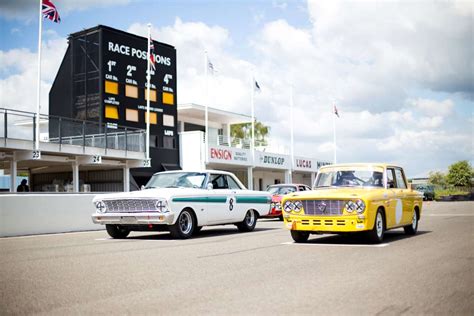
<point x="221" y="200"/>
<point x="239" y="209"/>
<point x="405" y="196"/>
<point x="392" y="201"/>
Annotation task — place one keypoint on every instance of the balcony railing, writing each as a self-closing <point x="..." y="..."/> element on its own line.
<point x="266" y="145"/>
<point x="21" y="125"/>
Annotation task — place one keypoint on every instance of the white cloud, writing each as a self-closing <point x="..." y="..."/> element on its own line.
<point x="433" y="107"/>
<point x="20" y="70"/>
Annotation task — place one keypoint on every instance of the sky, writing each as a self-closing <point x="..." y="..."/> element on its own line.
<point x="401" y="73"/>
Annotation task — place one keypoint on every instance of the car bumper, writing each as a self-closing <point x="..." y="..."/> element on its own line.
<point x="273" y="213"/>
<point x="326" y="224"/>
<point x="133" y="218"/>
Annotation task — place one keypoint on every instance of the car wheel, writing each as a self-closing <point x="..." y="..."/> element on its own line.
<point x="184" y="226"/>
<point x="117" y="231"/>
<point x="197" y="229"/>
<point x="376" y="234"/>
<point x="249" y="222"/>
<point x="412" y="229"/>
<point x="299" y="237"/>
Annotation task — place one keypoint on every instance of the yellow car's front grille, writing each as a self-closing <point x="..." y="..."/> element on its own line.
<point x="323" y="207"/>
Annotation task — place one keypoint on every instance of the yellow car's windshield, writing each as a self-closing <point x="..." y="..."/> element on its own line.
<point x="349" y="178"/>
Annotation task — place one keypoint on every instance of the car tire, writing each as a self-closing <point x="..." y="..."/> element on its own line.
<point x="378" y="231"/>
<point x="413" y="227"/>
<point x="299" y="236"/>
<point x="249" y="222"/>
<point x="197" y="229"/>
<point x="184" y="226"/>
<point x="117" y="231"/>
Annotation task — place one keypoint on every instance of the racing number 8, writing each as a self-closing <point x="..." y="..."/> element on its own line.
<point x="231" y="204"/>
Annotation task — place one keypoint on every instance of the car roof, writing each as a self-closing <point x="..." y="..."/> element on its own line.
<point x="287" y="184"/>
<point x="197" y="171"/>
<point x="361" y="164"/>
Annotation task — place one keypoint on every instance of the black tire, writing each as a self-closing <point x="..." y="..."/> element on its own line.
<point x="413" y="227"/>
<point x="197" y="229"/>
<point x="117" y="231"/>
<point x="184" y="226"/>
<point x="249" y="222"/>
<point x="378" y="231"/>
<point x="280" y="218"/>
<point x="299" y="236"/>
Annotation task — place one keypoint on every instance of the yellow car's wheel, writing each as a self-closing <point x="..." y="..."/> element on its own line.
<point x="299" y="237"/>
<point x="376" y="234"/>
<point x="413" y="227"/>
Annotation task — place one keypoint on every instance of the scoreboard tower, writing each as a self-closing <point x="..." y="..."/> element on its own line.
<point x="102" y="78"/>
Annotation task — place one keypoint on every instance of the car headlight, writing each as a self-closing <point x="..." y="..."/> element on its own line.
<point x="298" y="206"/>
<point x="100" y="207"/>
<point x="358" y="206"/>
<point x="162" y="206"/>
<point x="289" y="206"/>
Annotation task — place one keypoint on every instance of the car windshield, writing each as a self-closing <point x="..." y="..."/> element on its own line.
<point x="349" y="178"/>
<point x="281" y="189"/>
<point x="177" y="180"/>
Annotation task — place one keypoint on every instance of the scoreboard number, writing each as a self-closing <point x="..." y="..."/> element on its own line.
<point x="111" y="63"/>
<point x="131" y="68"/>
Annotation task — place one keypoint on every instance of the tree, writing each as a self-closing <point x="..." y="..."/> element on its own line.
<point x="437" y="178"/>
<point x="460" y="174"/>
<point x="244" y="130"/>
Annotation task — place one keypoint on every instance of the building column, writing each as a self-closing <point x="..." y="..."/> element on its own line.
<point x="288" y="176"/>
<point x="126" y="179"/>
<point x="250" y="178"/>
<point x="13" y="172"/>
<point x="313" y="178"/>
<point x="75" y="176"/>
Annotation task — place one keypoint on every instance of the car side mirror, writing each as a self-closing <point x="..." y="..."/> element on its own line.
<point x="142" y="187"/>
<point x="210" y="186"/>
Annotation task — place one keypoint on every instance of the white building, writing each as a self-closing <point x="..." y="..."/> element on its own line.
<point x="264" y="166"/>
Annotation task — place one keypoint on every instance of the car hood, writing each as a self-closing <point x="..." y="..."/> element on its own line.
<point x="340" y="193"/>
<point x="164" y="193"/>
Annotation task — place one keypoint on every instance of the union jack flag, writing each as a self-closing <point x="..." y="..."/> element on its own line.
<point x="152" y="54"/>
<point x="50" y="12"/>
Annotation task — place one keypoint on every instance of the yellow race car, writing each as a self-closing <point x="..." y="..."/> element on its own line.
<point x="348" y="198"/>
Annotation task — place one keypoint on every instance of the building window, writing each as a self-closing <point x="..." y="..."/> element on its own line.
<point x="169" y="142"/>
<point x="111" y="111"/>
<point x="131" y="115"/>
<point x="153" y="118"/>
<point x="168" y="98"/>
<point x="168" y="120"/>
<point x="131" y="91"/>
<point x="111" y="87"/>
<point x="152" y="95"/>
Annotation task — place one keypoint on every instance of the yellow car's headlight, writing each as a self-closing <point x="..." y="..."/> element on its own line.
<point x="357" y="206"/>
<point x="298" y="206"/>
<point x="288" y="206"/>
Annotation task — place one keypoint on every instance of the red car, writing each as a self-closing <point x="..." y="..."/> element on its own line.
<point x="277" y="191"/>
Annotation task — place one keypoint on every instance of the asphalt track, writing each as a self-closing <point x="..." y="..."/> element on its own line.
<point x="222" y="271"/>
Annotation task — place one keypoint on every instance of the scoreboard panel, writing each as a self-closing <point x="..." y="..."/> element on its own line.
<point x="124" y="73"/>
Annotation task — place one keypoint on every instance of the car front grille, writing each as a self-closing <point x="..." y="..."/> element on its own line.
<point x="130" y="206"/>
<point x="323" y="207"/>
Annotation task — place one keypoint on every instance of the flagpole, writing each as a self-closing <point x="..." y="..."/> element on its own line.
<point x="148" y="77"/>
<point x="291" y="134"/>
<point x="334" y="130"/>
<point x="38" y="89"/>
<point x="252" y="96"/>
<point x="206" y="113"/>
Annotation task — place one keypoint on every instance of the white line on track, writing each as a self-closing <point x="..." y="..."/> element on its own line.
<point x="447" y="215"/>
<point x="334" y="245"/>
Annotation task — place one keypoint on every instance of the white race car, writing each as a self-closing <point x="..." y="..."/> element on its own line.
<point x="182" y="202"/>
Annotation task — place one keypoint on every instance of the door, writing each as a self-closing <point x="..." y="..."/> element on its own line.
<point x="392" y="204"/>
<point x="405" y="197"/>
<point x="239" y="209"/>
<point x="221" y="200"/>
